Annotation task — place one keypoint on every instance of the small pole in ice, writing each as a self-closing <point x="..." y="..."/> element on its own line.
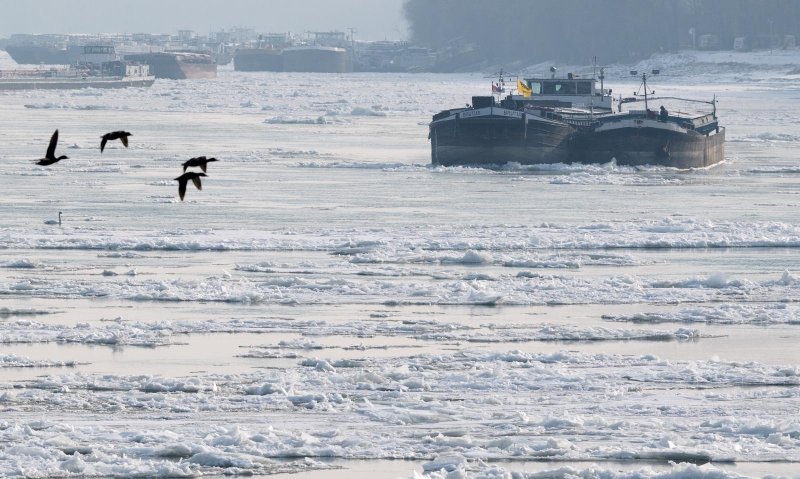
<point x="59" y="218"/>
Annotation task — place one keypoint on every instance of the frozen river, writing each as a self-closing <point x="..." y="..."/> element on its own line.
<point x="329" y="305"/>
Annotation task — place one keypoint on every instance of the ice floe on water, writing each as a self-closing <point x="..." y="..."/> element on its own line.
<point x="27" y="332"/>
<point x="425" y="288"/>
<point x="556" y="173"/>
<point x="6" y="312"/>
<point x="53" y="449"/>
<point x="450" y="467"/>
<point x="769" y="137"/>
<point x="669" y="232"/>
<point x="566" y="260"/>
<point x="479" y="405"/>
<point x="591" y="179"/>
<point x="22" y="263"/>
<point x="730" y="313"/>
<point x="14" y="361"/>
<point x="283" y="120"/>
<point x="162" y="333"/>
<point x="293" y="153"/>
<point x="370" y="306"/>
<point x="363" y="111"/>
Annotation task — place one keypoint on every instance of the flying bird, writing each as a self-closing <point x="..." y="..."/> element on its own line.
<point x="50" y="156"/>
<point x="200" y="161"/>
<point x="184" y="179"/>
<point x="115" y="135"/>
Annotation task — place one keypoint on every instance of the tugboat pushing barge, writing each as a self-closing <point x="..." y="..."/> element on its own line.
<point x="572" y="120"/>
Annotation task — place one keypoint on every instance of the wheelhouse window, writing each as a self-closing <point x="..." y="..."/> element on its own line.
<point x="561" y="87"/>
<point x="558" y="87"/>
<point x="551" y="88"/>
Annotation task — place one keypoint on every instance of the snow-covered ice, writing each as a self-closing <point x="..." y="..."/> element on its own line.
<point x="330" y="301"/>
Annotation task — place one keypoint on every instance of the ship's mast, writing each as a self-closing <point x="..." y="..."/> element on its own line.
<point x="501" y="82"/>
<point x="602" y="77"/>
<point x="644" y="85"/>
<point x="500" y="87"/>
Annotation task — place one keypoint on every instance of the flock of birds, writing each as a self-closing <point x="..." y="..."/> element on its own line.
<point x="200" y="161"/>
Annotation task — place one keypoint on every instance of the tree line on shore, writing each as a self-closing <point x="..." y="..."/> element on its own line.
<point x="491" y="32"/>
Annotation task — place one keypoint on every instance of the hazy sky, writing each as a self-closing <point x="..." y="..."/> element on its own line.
<point x="372" y="19"/>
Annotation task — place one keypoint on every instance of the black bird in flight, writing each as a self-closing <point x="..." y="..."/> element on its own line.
<point x="184" y="179"/>
<point x="50" y="156"/>
<point x="115" y="135"/>
<point x="200" y="161"/>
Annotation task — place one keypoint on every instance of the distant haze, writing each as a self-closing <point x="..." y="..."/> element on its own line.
<point x="372" y="19"/>
<point x="476" y="34"/>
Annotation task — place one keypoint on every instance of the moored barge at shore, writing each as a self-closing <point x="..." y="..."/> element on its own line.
<point x="98" y="68"/>
<point x="71" y="78"/>
<point x="571" y="120"/>
<point x="178" y="65"/>
<point x="262" y="59"/>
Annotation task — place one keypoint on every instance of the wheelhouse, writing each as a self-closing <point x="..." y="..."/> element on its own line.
<point x="570" y="92"/>
<point x="560" y="87"/>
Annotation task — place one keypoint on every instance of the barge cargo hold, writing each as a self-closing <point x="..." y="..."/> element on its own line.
<point x="98" y="68"/>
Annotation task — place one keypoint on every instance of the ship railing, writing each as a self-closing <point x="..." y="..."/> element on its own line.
<point x="687" y="120"/>
<point x="712" y="103"/>
<point x="583" y="123"/>
<point x="688" y="100"/>
<point x="578" y="118"/>
<point x="50" y="73"/>
<point x="674" y="115"/>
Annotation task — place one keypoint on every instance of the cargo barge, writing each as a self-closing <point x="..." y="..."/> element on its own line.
<point x="258" y="60"/>
<point x="323" y="52"/>
<point x="178" y="65"/>
<point x="98" y="67"/>
<point x="317" y="59"/>
<point x="66" y="79"/>
<point x="572" y="120"/>
<point x="43" y="54"/>
<point x="181" y="57"/>
<point x="307" y="58"/>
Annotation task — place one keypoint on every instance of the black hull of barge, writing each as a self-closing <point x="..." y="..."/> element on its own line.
<point x="497" y="141"/>
<point x="647" y="146"/>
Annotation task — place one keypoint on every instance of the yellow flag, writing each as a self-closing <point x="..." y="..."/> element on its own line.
<point x="523" y="88"/>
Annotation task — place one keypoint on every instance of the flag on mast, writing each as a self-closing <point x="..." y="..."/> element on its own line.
<point x="524" y="89"/>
